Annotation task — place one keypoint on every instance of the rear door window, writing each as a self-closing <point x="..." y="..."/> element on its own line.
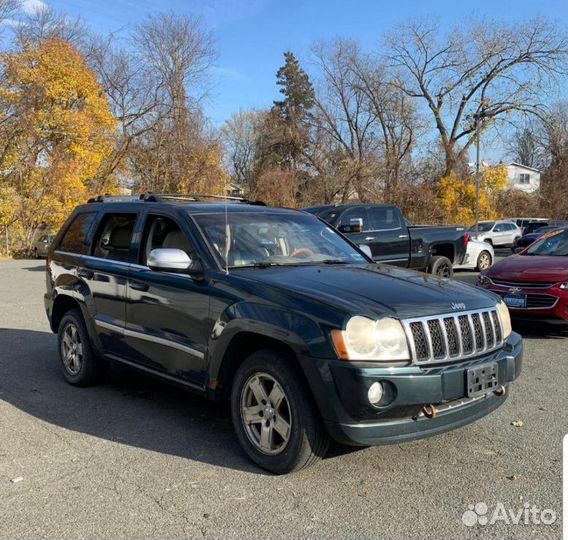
<point x="383" y="218"/>
<point x="114" y="237"/>
<point x="76" y="236"/>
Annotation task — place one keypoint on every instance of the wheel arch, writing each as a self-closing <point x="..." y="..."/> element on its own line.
<point x="241" y="346"/>
<point x="61" y="305"/>
<point x="445" y="250"/>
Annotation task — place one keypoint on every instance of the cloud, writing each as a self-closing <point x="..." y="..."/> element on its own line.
<point x="33" y="6"/>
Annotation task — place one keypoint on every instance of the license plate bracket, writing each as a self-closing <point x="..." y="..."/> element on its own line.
<point x="481" y="380"/>
<point x="515" y="300"/>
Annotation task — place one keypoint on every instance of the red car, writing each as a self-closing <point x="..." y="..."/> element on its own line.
<point x="534" y="283"/>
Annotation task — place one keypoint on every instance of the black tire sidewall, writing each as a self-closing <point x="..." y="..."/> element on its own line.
<point x="304" y="416"/>
<point x="438" y="261"/>
<point x="90" y="366"/>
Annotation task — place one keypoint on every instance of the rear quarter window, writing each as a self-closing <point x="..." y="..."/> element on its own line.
<point x="76" y="236"/>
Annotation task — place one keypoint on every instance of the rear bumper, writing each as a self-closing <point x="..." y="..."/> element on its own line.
<point x="351" y="419"/>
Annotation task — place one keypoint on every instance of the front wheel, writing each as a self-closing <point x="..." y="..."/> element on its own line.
<point x="483" y="261"/>
<point x="441" y="266"/>
<point x="274" y="416"/>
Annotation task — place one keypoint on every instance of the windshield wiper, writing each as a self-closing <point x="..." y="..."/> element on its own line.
<point x="255" y="265"/>
<point x="332" y="261"/>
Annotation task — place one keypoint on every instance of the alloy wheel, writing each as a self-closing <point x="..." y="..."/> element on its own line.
<point x="72" y="349"/>
<point x="266" y="414"/>
<point x="484" y="261"/>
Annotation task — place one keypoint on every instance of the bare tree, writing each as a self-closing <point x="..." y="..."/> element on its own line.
<point x="240" y="134"/>
<point x="44" y="22"/>
<point x="342" y="112"/>
<point x="486" y="71"/>
<point x="395" y="114"/>
<point x="525" y="146"/>
<point x="8" y="8"/>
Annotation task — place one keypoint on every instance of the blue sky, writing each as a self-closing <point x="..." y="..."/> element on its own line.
<point x="251" y="35"/>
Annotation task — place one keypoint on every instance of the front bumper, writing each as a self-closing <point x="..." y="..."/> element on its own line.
<point x="351" y="419"/>
<point x="543" y="304"/>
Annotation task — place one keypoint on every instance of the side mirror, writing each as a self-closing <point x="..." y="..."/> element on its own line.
<point x="366" y="250"/>
<point x="355" y="226"/>
<point x="169" y="260"/>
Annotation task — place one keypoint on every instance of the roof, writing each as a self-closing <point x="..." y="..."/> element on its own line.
<point x="515" y="164"/>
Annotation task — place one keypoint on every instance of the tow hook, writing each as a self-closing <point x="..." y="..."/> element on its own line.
<point x="429" y="411"/>
<point x="500" y="391"/>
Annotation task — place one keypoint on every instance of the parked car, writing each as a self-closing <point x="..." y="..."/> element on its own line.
<point x="497" y="233"/>
<point x="527" y="239"/>
<point x="523" y="222"/>
<point x="534" y="283"/>
<point x="392" y="240"/>
<point x="479" y="256"/>
<point x="41" y="245"/>
<point x="279" y="314"/>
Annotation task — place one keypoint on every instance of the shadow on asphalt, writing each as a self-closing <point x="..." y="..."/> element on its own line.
<point x="540" y="330"/>
<point x="40" y="268"/>
<point x="128" y="407"/>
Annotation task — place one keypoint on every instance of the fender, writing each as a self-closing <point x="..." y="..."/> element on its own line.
<point x="295" y="330"/>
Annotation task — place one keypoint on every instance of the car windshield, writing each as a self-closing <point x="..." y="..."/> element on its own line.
<point x="555" y="244"/>
<point x="542" y="230"/>
<point x="484" y="226"/>
<point x="274" y="239"/>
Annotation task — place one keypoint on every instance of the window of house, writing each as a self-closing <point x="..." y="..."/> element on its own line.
<point x="524" y="178"/>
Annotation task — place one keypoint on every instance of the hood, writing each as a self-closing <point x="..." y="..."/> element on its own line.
<point x="374" y="288"/>
<point x="531" y="268"/>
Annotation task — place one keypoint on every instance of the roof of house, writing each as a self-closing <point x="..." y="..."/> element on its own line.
<point x="515" y="164"/>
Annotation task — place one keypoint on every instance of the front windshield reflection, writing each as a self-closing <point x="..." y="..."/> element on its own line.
<point x="274" y="239"/>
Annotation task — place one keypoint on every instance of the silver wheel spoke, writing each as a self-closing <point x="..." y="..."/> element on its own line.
<point x="252" y="415"/>
<point x="282" y="427"/>
<point x="276" y="396"/>
<point x="258" y="390"/>
<point x="266" y="436"/>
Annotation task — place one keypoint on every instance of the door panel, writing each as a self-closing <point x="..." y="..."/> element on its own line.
<point x="167" y="326"/>
<point x="391" y="240"/>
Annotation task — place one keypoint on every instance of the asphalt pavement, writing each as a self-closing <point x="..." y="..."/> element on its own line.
<point x="135" y="458"/>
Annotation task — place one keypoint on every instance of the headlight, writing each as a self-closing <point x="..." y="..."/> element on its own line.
<point x="564" y="285"/>
<point x="483" y="280"/>
<point x="365" y="339"/>
<point x="505" y="317"/>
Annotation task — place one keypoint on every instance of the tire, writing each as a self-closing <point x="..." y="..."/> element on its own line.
<point x="483" y="261"/>
<point x="441" y="266"/>
<point x="270" y="374"/>
<point x="79" y="364"/>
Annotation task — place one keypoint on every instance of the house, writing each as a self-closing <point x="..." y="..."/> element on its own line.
<point x="524" y="178"/>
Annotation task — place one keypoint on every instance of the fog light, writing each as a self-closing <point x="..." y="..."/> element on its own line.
<point x="375" y="393"/>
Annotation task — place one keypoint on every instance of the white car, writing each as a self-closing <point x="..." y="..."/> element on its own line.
<point x="497" y="233"/>
<point x="479" y="256"/>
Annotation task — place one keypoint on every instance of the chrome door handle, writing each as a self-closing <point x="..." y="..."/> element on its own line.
<point x="403" y="236"/>
<point x="369" y="238"/>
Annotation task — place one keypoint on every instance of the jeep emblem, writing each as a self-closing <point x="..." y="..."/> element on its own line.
<point x="458" y="306"/>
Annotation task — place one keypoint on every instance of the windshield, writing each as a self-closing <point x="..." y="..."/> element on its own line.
<point x="555" y="244"/>
<point x="279" y="239"/>
<point x="485" y="226"/>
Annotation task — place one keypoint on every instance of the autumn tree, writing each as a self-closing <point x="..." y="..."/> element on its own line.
<point x="483" y="72"/>
<point x="457" y="195"/>
<point x="55" y="130"/>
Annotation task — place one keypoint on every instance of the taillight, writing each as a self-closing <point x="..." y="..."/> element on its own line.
<point x="466" y="237"/>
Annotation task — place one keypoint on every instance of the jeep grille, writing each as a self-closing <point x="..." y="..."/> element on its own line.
<point x="450" y="337"/>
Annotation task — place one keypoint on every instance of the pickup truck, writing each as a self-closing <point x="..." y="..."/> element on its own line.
<point x="393" y="240"/>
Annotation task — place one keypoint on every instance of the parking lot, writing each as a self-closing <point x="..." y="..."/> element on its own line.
<point x="136" y="458"/>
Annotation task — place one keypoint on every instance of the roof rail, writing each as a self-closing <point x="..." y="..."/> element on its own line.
<point x="198" y="197"/>
<point x="163" y="197"/>
<point x="114" y="198"/>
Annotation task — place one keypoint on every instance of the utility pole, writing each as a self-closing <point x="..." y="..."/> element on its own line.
<point x="477" y="117"/>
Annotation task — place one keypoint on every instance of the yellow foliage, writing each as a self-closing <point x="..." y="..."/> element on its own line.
<point x="457" y="195"/>
<point x="58" y="129"/>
